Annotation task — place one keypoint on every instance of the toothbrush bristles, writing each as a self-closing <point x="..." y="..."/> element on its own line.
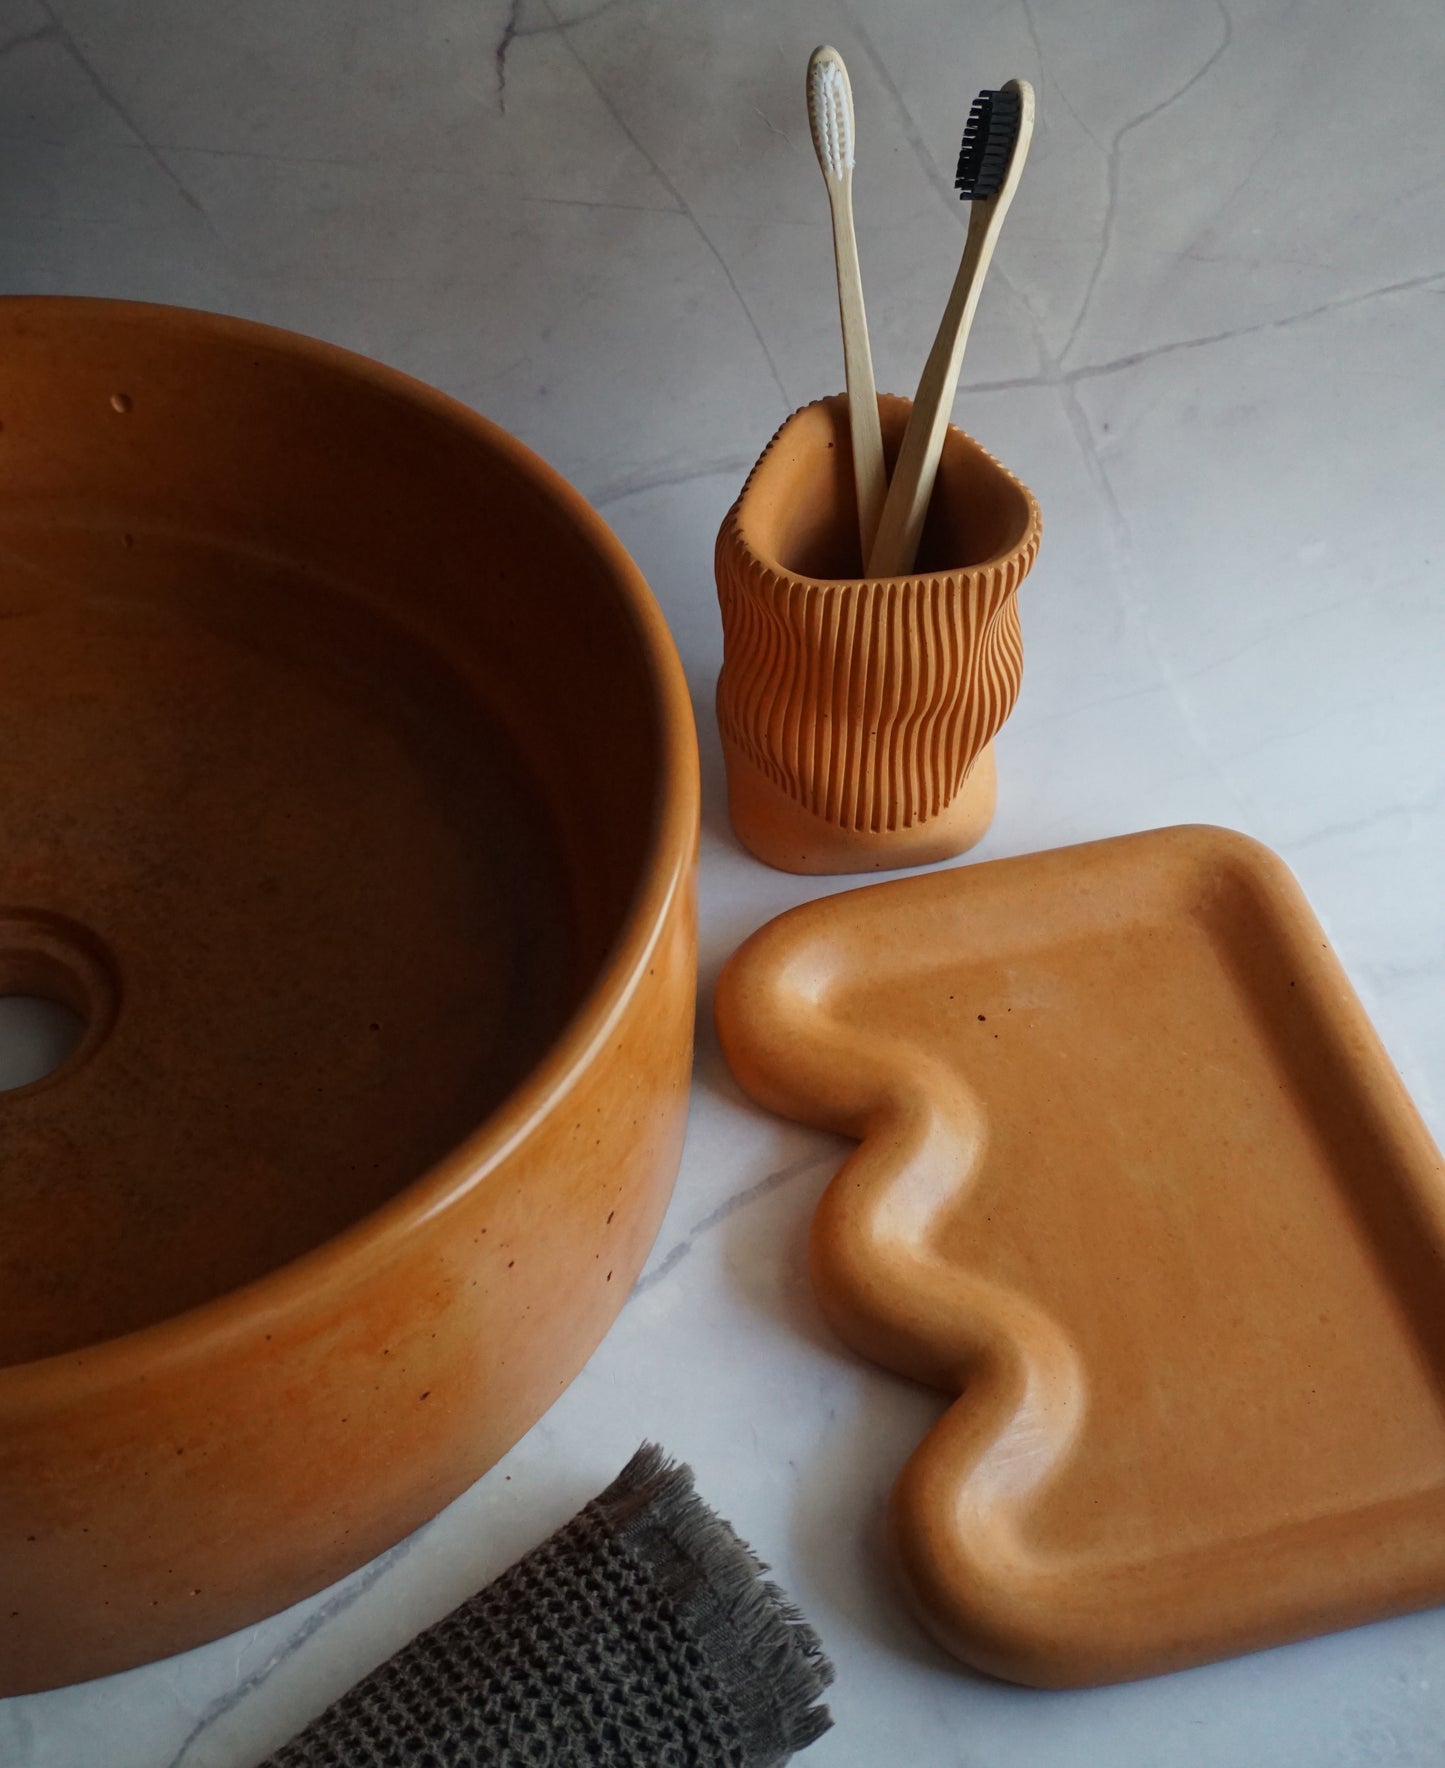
<point x="988" y="144"/>
<point x="830" y="114"/>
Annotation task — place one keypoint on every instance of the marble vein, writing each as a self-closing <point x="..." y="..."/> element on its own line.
<point x="634" y="484"/>
<point x="1118" y="537"/>
<point x="912" y="134"/>
<point x="1070" y="377"/>
<point x="41" y="34"/>
<point x="1387" y="978"/>
<point x="1028" y="726"/>
<point x="117" y="109"/>
<point x="941" y="181"/>
<point x="773" y="129"/>
<point x="1111" y="169"/>
<point x="1051" y="371"/>
<point x="1046" y="73"/>
<point x="1414" y="806"/>
<point x="563" y="24"/>
<point x="1275" y="631"/>
<point x="1132" y="597"/>
<point x="335" y="1605"/>
<point x="564" y="31"/>
<point x="594" y="202"/>
<point x="283" y="159"/>
<point x="499" y="54"/>
<point x="728" y="1207"/>
<point x="413" y="168"/>
<point x="1118" y="522"/>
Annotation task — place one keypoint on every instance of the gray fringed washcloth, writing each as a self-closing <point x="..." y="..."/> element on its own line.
<point x="640" y="1635"/>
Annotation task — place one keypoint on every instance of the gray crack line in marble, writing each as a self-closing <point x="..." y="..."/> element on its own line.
<point x="1030" y="726"/>
<point x="1111" y="170"/>
<point x="597" y="202"/>
<point x="1052" y="373"/>
<point x="109" y="99"/>
<point x="1418" y="804"/>
<point x="730" y="1206"/>
<point x="1049" y="372"/>
<point x="499" y="54"/>
<point x="513" y="32"/>
<point x="42" y="34"/>
<point x="633" y="485"/>
<point x="1046" y="73"/>
<point x="562" y="24"/>
<point x="911" y="132"/>
<point x="361" y="1582"/>
<point x="773" y="129"/>
<point x="462" y="174"/>
<point x="942" y="184"/>
<point x="563" y="28"/>
<point x="306" y="159"/>
<point x="1090" y="371"/>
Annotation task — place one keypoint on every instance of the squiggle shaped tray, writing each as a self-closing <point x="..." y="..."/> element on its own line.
<point x="1137" y="1182"/>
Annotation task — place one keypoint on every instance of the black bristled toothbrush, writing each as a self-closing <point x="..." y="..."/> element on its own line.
<point x="995" y="145"/>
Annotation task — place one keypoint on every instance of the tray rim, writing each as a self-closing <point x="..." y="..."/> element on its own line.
<point x="789" y="1054"/>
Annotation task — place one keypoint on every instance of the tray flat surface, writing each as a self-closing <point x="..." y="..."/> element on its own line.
<point x="1138" y="1179"/>
<point x="330" y="929"/>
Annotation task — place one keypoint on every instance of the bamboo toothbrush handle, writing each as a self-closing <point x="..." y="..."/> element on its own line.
<point x="869" y="476"/>
<point x="980" y="164"/>
<point x="901" y="524"/>
<point x="830" y="122"/>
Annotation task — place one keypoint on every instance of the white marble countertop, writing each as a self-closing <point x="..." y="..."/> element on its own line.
<point x="1213" y="344"/>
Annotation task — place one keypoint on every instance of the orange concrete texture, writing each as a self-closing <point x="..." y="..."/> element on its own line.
<point x="348" y="789"/>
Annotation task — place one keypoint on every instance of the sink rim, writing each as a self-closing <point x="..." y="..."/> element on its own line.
<point x="326" y="1273"/>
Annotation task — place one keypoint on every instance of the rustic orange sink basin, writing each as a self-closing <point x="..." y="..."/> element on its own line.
<point x="348" y="792"/>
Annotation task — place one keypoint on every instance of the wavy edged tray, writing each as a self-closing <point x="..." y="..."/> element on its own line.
<point x="1139" y="1183"/>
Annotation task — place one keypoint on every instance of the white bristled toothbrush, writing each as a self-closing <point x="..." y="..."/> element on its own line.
<point x="830" y="117"/>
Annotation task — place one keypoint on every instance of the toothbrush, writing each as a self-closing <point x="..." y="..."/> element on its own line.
<point x="830" y="117"/>
<point x="995" y="145"/>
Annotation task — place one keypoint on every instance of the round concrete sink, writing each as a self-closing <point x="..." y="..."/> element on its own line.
<point x="348" y="801"/>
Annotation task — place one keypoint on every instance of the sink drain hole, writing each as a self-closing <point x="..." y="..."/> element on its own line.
<point x="58" y="997"/>
<point x="36" y="1036"/>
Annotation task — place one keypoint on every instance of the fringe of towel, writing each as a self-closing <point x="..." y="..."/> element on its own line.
<point x="770" y="1662"/>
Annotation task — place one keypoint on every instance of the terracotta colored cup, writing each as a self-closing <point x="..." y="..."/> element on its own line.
<point x="857" y="716"/>
<point x="348" y="789"/>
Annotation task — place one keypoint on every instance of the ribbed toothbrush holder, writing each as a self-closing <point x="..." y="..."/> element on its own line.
<point x="857" y="715"/>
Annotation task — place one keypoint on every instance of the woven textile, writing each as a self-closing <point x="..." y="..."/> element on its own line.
<point x="641" y="1635"/>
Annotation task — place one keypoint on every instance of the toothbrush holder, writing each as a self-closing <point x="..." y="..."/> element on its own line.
<point x="857" y="715"/>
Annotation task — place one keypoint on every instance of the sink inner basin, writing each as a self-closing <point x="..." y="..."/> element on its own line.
<point x="272" y="836"/>
<point x="330" y="760"/>
<point x="348" y="846"/>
